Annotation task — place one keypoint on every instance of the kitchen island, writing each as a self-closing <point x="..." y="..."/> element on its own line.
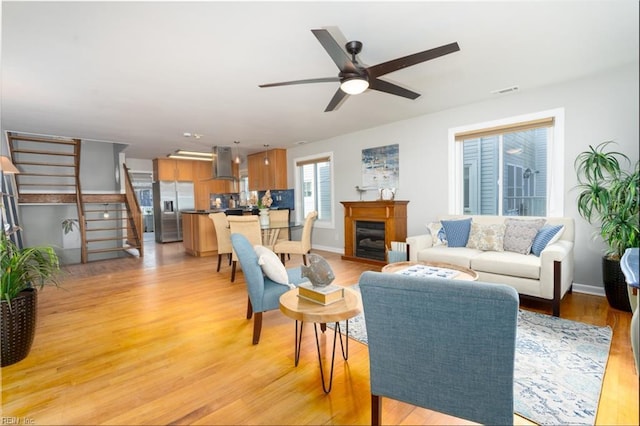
<point x="198" y="234"/>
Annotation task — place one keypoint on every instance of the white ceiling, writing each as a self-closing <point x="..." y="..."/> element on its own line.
<point x="144" y="73"/>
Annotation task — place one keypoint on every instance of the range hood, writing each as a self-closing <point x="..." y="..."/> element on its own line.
<point x="221" y="164"/>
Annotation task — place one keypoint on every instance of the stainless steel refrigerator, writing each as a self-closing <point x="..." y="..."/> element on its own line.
<point x="169" y="200"/>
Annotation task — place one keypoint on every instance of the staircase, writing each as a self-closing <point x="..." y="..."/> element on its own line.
<point x="50" y="174"/>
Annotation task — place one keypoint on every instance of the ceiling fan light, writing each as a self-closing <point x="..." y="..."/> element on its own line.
<point x="354" y="85"/>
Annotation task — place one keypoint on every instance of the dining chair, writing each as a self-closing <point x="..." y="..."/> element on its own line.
<point x="249" y="226"/>
<point x="263" y="292"/>
<point x="303" y="246"/>
<point x="223" y="235"/>
<point x="279" y="219"/>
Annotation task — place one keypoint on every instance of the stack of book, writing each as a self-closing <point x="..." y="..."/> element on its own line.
<point x="322" y="295"/>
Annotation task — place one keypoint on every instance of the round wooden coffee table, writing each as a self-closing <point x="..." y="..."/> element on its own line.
<point x="303" y="310"/>
<point x="464" y="274"/>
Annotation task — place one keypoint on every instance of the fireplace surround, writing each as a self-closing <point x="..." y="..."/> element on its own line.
<point x="370" y="226"/>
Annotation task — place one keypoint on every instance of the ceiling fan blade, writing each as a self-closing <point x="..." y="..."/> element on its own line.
<point x="407" y="61"/>
<point x="339" y="56"/>
<point x="385" y="86"/>
<point x="311" y="80"/>
<point x="336" y="101"/>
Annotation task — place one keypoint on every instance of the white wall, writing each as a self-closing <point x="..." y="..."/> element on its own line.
<point x="597" y="108"/>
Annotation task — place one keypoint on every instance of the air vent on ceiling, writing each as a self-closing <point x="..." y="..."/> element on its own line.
<point x="505" y="90"/>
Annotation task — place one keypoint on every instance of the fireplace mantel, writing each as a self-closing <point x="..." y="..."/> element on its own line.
<point x="392" y="213"/>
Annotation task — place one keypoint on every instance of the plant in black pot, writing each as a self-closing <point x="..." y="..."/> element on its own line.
<point x="23" y="271"/>
<point x="609" y="199"/>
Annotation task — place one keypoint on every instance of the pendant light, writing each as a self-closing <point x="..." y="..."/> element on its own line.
<point x="237" y="159"/>
<point x="105" y="214"/>
<point x="266" y="154"/>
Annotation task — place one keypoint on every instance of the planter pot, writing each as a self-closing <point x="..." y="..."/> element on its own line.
<point x="18" y="326"/>
<point x="615" y="285"/>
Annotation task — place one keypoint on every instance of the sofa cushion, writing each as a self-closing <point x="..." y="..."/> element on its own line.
<point x="548" y="234"/>
<point x="460" y="256"/>
<point x="486" y="237"/>
<point x="507" y="263"/>
<point x="457" y="232"/>
<point x="519" y="234"/>
<point x="438" y="236"/>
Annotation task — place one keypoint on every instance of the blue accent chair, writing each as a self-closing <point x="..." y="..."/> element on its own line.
<point x="444" y="345"/>
<point x="264" y="294"/>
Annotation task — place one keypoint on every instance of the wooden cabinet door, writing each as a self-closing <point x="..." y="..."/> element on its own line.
<point x="164" y="169"/>
<point x="186" y="170"/>
<point x="256" y="172"/>
<point x="263" y="177"/>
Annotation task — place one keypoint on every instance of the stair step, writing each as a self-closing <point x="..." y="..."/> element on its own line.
<point x="48" y="184"/>
<point x="105" y="250"/>
<point x="45" y="175"/>
<point x="121" y="228"/>
<point x="37" y="163"/>
<point x="45" y="140"/>
<point x="96" y="240"/>
<point x="33" y="151"/>
<point x="106" y="219"/>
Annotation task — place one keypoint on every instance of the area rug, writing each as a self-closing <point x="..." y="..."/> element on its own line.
<point x="559" y="367"/>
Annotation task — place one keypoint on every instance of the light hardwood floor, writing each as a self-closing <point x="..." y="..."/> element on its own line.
<point x="164" y="340"/>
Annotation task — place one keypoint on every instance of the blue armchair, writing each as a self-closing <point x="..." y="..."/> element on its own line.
<point x="441" y="344"/>
<point x="264" y="294"/>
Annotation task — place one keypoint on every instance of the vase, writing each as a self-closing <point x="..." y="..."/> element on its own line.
<point x="264" y="217"/>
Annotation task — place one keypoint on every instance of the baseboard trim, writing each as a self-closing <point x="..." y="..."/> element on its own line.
<point x="329" y="249"/>
<point x="588" y="289"/>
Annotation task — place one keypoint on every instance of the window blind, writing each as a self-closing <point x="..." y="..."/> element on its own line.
<point x="507" y="128"/>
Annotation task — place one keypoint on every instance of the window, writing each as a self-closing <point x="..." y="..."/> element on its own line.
<point x="314" y="177"/>
<point x="511" y="167"/>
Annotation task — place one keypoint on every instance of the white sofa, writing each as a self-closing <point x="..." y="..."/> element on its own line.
<point x="547" y="277"/>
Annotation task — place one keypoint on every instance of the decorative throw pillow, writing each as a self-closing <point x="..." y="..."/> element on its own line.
<point x="457" y="231"/>
<point x="438" y="236"/>
<point x="548" y="234"/>
<point x="272" y="266"/>
<point x="519" y="234"/>
<point x="486" y="237"/>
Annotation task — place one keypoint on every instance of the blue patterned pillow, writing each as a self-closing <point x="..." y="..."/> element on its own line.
<point x="457" y="232"/>
<point x="543" y="238"/>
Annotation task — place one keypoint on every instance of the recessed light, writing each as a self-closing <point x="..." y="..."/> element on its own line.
<point x="186" y="134"/>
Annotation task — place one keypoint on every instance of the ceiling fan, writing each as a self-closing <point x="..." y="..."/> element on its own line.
<point x="355" y="78"/>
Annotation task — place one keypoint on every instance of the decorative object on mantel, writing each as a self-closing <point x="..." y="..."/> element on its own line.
<point x="387" y="194"/>
<point x="380" y="166"/>
<point x="361" y="190"/>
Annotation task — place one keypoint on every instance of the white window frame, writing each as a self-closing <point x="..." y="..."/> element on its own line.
<point x="328" y="224"/>
<point x="555" y="160"/>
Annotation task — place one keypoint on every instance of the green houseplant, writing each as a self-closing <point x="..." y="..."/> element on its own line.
<point x="23" y="270"/>
<point x="608" y="199"/>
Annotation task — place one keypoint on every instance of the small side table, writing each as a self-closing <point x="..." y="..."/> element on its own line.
<point x="303" y="310"/>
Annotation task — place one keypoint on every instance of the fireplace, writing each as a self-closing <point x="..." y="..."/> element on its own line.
<point x="370" y="226"/>
<point x="370" y="240"/>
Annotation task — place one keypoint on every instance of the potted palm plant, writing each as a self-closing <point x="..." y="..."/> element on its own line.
<point x="23" y="271"/>
<point x="609" y="199"/>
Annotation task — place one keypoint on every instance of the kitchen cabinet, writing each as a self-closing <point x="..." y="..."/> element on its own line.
<point x="198" y="234"/>
<point x="272" y="176"/>
<point x="174" y="170"/>
<point x="198" y="172"/>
